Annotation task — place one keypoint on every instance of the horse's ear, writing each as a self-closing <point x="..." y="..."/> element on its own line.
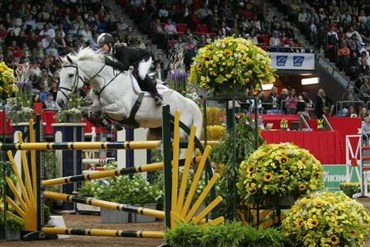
<point x="69" y="59"/>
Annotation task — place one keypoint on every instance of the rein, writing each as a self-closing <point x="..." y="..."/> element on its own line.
<point x="98" y="93"/>
<point x="74" y="85"/>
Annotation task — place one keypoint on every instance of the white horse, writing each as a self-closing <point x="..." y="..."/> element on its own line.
<point x="116" y="93"/>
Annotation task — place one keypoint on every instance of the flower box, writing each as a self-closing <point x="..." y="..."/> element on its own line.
<point x="10" y="235"/>
<point x="113" y="216"/>
<point x="87" y="209"/>
<point x="139" y="218"/>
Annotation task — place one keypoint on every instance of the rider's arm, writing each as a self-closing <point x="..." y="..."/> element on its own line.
<point x="116" y="65"/>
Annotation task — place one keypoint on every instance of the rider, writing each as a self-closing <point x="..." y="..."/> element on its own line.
<point x="140" y="59"/>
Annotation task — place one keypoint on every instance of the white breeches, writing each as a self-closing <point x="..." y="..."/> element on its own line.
<point x="143" y="67"/>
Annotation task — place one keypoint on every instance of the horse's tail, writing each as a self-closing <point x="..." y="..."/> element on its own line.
<point x="197" y="118"/>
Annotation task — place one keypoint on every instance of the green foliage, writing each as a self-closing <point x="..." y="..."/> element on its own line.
<point x="72" y="113"/>
<point x="232" y="234"/>
<point x="185" y="235"/>
<point x="9" y="173"/>
<point x="350" y="188"/>
<point x="243" y="139"/>
<point x="125" y="189"/>
<point x="12" y="223"/>
<point x="228" y="234"/>
<point x="50" y="169"/>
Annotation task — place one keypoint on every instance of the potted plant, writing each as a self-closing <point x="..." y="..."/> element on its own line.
<point x="20" y="107"/>
<point x="327" y="219"/>
<point x="350" y="188"/>
<point x="72" y="113"/>
<point x="14" y="225"/>
<point x="275" y="171"/>
<point x="7" y="81"/>
<point x="231" y="64"/>
<point x="133" y="190"/>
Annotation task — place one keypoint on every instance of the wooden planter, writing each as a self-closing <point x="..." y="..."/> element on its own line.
<point x="10" y="235"/>
<point x="113" y="216"/>
<point x="139" y="218"/>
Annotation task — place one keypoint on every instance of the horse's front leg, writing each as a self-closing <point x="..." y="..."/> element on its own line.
<point x="115" y="111"/>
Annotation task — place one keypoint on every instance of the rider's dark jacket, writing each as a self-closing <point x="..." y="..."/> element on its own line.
<point x="127" y="56"/>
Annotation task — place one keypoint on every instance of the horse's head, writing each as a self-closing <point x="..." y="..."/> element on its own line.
<point x="73" y="74"/>
<point x="70" y="81"/>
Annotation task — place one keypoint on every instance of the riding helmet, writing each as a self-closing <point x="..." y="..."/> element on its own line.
<point x="105" y="38"/>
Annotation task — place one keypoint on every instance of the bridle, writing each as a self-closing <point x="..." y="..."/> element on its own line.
<point x="74" y="87"/>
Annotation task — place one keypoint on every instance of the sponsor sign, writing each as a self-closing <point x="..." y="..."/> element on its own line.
<point x="292" y="61"/>
<point x="334" y="175"/>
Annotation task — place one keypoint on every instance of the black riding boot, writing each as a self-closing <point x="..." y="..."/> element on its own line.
<point x="152" y="89"/>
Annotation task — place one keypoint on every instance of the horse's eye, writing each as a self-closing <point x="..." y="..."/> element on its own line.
<point x="70" y="75"/>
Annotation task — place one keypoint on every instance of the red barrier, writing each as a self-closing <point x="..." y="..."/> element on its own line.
<point x="48" y="118"/>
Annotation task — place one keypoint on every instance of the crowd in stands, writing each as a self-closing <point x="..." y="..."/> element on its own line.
<point x="40" y="31"/>
<point x="341" y="28"/>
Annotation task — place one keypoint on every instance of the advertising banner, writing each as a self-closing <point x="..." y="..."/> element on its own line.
<point x="292" y="61"/>
<point x="334" y="175"/>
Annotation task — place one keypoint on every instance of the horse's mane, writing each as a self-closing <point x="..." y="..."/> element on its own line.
<point x="84" y="54"/>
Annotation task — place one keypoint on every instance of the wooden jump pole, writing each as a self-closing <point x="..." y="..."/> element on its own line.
<point x="104" y="233"/>
<point x="105" y="204"/>
<point x="103" y="174"/>
<point x="40" y="146"/>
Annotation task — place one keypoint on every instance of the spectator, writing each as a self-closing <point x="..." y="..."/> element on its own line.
<point x="364" y="91"/>
<point x="47" y="31"/>
<point x="50" y="103"/>
<point x="350" y="98"/>
<point x="291" y="102"/>
<point x="204" y="13"/>
<point x="46" y="41"/>
<point x="365" y="130"/>
<point x="283" y="97"/>
<point x="363" y="113"/>
<point x="353" y="34"/>
<point x="272" y="100"/>
<point x="54" y="87"/>
<point x="322" y="104"/>
<point x="170" y="29"/>
<point x="44" y="81"/>
<point x="343" y="55"/>
<point x="10" y="37"/>
<point x="364" y="66"/>
<point x="274" y="42"/>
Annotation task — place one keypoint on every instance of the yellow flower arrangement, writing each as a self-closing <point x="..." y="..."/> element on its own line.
<point x="320" y="124"/>
<point x="7" y="81"/>
<point x="215" y="115"/>
<point x="231" y="63"/>
<point x="215" y="132"/>
<point x="278" y="170"/>
<point x="284" y="123"/>
<point x="327" y="219"/>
